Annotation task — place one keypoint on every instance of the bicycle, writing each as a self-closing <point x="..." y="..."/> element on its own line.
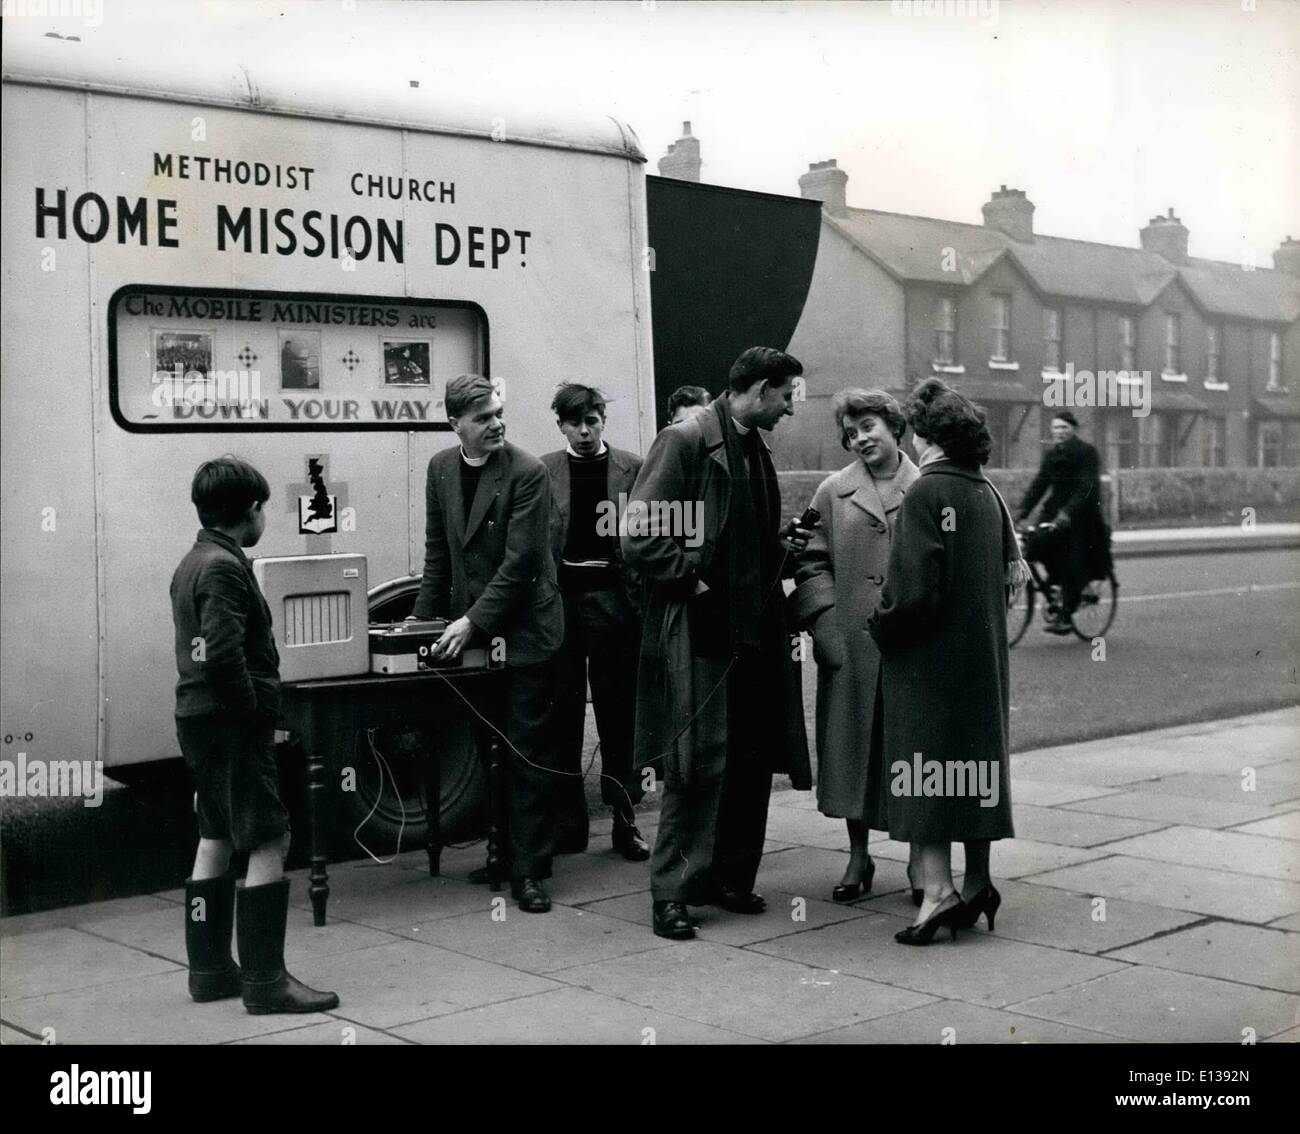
<point x="1090" y="619"/>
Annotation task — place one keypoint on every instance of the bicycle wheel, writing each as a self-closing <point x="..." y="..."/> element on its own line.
<point x="1096" y="609"/>
<point x="1020" y="614"/>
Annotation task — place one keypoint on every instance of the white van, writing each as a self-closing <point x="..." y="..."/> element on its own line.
<point x="330" y="256"/>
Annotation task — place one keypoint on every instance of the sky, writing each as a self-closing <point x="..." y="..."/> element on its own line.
<point x="1105" y="112"/>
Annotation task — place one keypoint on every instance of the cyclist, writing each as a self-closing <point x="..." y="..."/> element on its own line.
<point x="1078" y="537"/>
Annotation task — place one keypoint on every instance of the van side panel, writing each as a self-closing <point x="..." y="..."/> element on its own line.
<point x="49" y="624"/>
<point x="520" y="261"/>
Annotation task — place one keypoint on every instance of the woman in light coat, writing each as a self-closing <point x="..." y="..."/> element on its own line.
<point x="838" y="583"/>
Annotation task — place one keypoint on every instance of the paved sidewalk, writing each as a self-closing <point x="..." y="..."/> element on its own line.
<point x="1153" y="894"/>
<point x="1194" y="541"/>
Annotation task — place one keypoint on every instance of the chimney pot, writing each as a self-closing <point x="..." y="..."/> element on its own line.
<point x="1166" y="235"/>
<point x="1010" y="211"/>
<point x="682" y="160"/>
<point x="1287" y="257"/>
<point x="826" y="182"/>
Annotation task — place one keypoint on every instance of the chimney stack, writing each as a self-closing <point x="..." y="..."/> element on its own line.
<point x="826" y="182"/>
<point x="1287" y="257"/>
<point x="682" y="160"/>
<point x="1010" y="211"/>
<point x="1167" y="237"/>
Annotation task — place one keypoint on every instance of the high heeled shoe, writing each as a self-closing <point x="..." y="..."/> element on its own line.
<point x="986" y="902"/>
<point x="918" y="895"/>
<point x="946" y="916"/>
<point x="851" y="891"/>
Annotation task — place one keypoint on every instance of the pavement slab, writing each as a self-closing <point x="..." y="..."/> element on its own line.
<point x="162" y="933"/>
<point x="72" y="915"/>
<point x="1266" y="958"/>
<point x="339" y="1032"/>
<point x="1074" y="829"/>
<point x="154" y="1009"/>
<point x="718" y="985"/>
<point x="1173" y="886"/>
<point x="57" y="960"/>
<point x="1284" y="826"/>
<point x="1046" y="793"/>
<point x="956" y="1022"/>
<point x="409" y="904"/>
<point x="1253" y="855"/>
<point x="406" y="981"/>
<point x="1161" y="807"/>
<point x="1156" y="1005"/>
<point x="548" y="1018"/>
<point x="1271" y="786"/>
<point x="976" y="968"/>
<point x="714" y="924"/>
<point x="1042" y="915"/>
<point x="10" y="1035"/>
<point x="540" y="943"/>
<point x="1291" y="923"/>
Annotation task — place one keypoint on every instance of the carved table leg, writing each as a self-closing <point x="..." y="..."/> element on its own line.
<point x="496" y="795"/>
<point x="318" y="816"/>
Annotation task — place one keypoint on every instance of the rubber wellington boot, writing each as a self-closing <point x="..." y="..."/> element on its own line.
<point x="209" y="921"/>
<point x="267" y="988"/>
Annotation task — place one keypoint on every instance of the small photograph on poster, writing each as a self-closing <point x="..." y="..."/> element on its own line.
<point x="406" y="362"/>
<point x="190" y="350"/>
<point x="300" y="360"/>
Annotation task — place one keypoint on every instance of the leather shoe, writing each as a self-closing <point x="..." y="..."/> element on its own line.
<point x="740" y="902"/>
<point x="628" y="841"/>
<point x="531" y="895"/>
<point x="672" y="921"/>
<point x="494" y="871"/>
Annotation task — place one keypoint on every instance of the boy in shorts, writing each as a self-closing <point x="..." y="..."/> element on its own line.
<point x="227" y="704"/>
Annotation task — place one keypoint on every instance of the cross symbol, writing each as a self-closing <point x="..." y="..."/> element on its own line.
<point x="247" y="357"/>
<point x="351" y="360"/>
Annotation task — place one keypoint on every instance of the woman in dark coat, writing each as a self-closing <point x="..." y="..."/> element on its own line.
<point x="942" y="631"/>
<point x="838" y="583"/>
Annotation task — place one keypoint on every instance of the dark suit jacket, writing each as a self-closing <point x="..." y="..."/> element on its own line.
<point x="1070" y="472"/>
<point x="497" y="568"/>
<point x="623" y="469"/>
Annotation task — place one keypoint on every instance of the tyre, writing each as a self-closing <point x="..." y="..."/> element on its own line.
<point x="1096" y="609"/>
<point x="387" y="805"/>
<point x="1020" y="613"/>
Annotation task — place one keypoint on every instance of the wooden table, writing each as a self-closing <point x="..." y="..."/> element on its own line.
<point x="325" y="716"/>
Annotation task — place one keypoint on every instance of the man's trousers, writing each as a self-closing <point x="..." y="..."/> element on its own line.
<point x="601" y="647"/>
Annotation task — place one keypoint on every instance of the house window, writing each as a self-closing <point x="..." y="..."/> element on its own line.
<point x="1173" y="353"/>
<point x="1001" y="328"/>
<point x="1275" y="361"/>
<point x="945" y="326"/>
<point x="1051" y="339"/>
<point x="1122" y="435"/>
<point x="1279" y="444"/>
<point x="1153" y="441"/>
<point x="1127" y="344"/>
<point x="1212" y="438"/>
<point x="1213" y="345"/>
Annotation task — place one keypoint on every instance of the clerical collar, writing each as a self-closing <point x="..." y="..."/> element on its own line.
<point x="579" y="457"/>
<point x="743" y="430"/>
<point x="474" y="462"/>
